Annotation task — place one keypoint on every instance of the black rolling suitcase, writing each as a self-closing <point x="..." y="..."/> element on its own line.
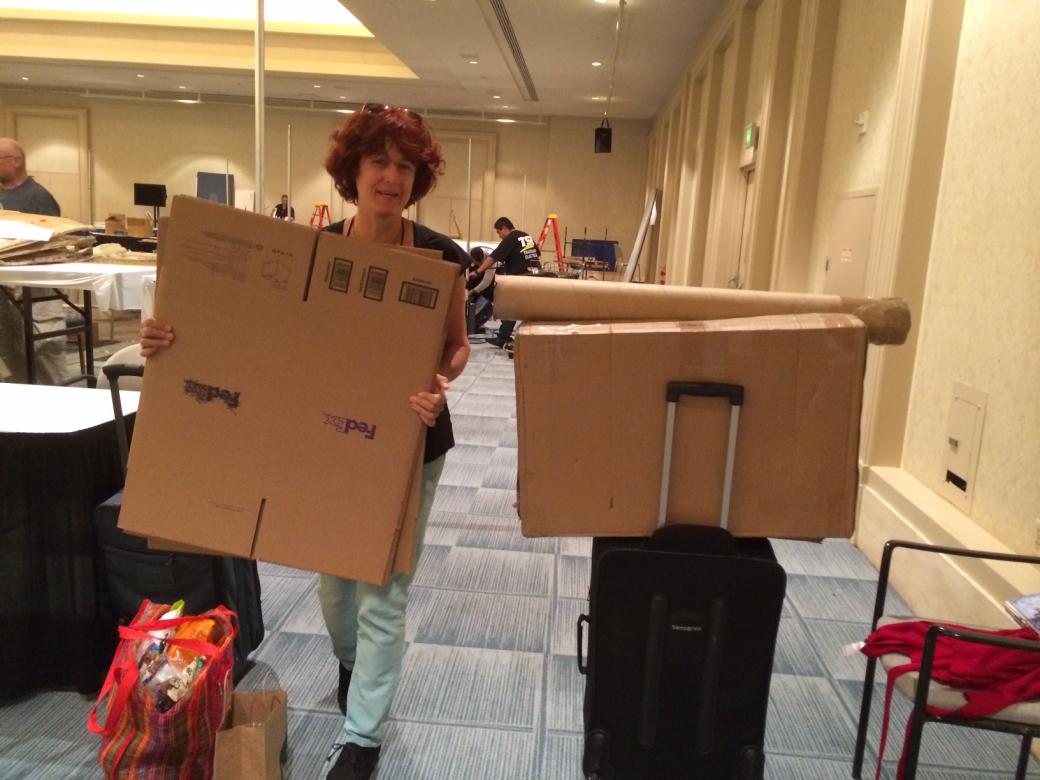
<point x="681" y="632"/>
<point x="133" y="572"/>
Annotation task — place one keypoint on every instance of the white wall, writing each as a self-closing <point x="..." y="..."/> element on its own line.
<point x="981" y="319"/>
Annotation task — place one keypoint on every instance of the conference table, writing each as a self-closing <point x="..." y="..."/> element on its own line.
<point x="107" y="286"/>
<point x="58" y="459"/>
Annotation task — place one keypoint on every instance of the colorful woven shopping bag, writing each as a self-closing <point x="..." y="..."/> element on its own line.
<point x="140" y="742"/>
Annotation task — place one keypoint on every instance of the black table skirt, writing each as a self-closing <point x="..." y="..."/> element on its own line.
<point x="55" y="628"/>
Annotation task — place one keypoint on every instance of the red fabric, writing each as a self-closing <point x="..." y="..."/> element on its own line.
<point x="994" y="677"/>
<point x="140" y="743"/>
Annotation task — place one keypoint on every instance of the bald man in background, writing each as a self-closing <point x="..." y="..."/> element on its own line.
<point x="21" y="192"/>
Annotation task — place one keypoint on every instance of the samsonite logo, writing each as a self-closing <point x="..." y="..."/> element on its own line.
<point x="345" y="425"/>
<point x="204" y="393"/>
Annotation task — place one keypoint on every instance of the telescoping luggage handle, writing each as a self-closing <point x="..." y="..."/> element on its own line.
<point x="675" y="391"/>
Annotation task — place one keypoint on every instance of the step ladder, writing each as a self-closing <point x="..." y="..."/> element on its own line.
<point x="320" y="216"/>
<point x="553" y="220"/>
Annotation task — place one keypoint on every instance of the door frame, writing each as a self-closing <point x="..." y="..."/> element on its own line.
<point x="82" y="117"/>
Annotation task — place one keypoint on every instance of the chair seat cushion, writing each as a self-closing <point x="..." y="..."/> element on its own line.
<point x="945" y="696"/>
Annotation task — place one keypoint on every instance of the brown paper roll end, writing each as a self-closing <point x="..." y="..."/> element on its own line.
<point x="887" y="319"/>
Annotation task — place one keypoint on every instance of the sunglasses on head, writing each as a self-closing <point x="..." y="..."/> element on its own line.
<point x="379" y="108"/>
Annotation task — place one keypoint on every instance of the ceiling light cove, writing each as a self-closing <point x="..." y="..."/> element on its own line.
<point x="202" y="13"/>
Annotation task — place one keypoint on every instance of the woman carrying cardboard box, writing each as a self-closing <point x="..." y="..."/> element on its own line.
<point x="383" y="159"/>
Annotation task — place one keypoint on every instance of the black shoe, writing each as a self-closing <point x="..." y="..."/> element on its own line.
<point x="354" y="762"/>
<point x="344" y="686"/>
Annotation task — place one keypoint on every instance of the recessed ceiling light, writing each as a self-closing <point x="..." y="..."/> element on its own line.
<point x="344" y="111"/>
<point x="185" y="100"/>
<point x="602" y="2"/>
<point x="506" y="106"/>
<point x="140" y="75"/>
<point x="25" y="78"/>
<point x="598" y="97"/>
<point x="497" y="97"/>
<point x="474" y="62"/>
<point x="342" y="97"/>
<point x="317" y="86"/>
<point x="181" y="86"/>
<point x="597" y="64"/>
<point x="506" y="121"/>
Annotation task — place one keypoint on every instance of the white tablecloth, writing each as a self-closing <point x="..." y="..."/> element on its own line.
<point x="147" y="297"/>
<point x="47" y="409"/>
<point x="115" y="287"/>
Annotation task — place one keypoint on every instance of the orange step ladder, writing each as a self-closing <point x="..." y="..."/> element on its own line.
<point x="553" y="220"/>
<point x="321" y="214"/>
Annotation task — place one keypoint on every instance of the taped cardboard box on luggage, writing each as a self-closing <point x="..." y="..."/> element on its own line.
<point x="591" y="424"/>
<point x="278" y="427"/>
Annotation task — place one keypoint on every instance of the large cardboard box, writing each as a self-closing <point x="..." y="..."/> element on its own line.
<point x="591" y="419"/>
<point x="278" y="426"/>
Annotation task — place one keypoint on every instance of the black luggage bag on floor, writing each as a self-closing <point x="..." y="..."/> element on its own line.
<point x="133" y="572"/>
<point x="681" y="632"/>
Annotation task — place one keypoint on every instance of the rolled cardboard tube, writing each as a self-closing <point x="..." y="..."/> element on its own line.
<point x="570" y="300"/>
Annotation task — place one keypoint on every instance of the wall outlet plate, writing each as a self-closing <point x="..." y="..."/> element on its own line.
<point x="962" y="446"/>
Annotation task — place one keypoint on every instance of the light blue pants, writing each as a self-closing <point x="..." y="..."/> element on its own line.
<point x="366" y="625"/>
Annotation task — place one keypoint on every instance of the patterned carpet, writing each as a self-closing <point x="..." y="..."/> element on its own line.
<point x="490" y="689"/>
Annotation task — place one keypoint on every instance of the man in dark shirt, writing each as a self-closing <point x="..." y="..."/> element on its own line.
<point x="18" y="190"/>
<point x="21" y="192"/>
<point x="515" y="255"/>
<point x="284" y="211"/>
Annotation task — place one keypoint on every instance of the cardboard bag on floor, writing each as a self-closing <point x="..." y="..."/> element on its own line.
<point x="252" y="740"/>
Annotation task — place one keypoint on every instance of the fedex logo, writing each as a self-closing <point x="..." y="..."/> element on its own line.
<point x="203" y="393"/>
<point x="345" y="425"/>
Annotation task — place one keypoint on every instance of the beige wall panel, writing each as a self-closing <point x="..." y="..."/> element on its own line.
<point x="980" y="323"/>
<point x="758" y="70"/>
<point x="729" y="182"/>
<point x="520" y="172"/>
<point x="52" y="148"/>
<point x="865" y="61"/>
<point x="600" y="192"/>
<point x="168" y="143"/>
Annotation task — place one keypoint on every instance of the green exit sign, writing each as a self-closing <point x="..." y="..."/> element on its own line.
<point x="750" y="136"/>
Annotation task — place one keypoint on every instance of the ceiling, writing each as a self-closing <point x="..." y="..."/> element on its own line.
<point x="447" y="56"/>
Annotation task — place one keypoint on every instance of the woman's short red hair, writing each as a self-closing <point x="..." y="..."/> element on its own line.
<point x="369" y="132"/>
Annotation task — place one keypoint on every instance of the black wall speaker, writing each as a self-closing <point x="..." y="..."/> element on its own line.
<point x="603" y="133"/>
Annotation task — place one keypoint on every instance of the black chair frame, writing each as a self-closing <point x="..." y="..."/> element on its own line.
<point x="919" y="716"/>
